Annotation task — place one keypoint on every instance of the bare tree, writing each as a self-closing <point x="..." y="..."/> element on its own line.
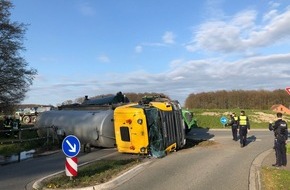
<point x="15" y="76"/>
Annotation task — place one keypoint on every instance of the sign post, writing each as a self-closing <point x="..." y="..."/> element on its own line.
<point x="71" y="148"/>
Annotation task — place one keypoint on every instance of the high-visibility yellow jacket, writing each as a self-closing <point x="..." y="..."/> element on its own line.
<point x="244" y="121"/>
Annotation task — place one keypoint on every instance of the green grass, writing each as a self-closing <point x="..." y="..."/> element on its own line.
<point x="15" y="148"/>
<point x="93" y="174"/>
<point x="210" y="118"/>
<point x="273" y="178"/>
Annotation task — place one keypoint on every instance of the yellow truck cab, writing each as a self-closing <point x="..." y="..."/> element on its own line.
<point x="153" y="128"/>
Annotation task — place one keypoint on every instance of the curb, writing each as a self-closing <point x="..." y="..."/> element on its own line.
<point x="254" y="177"/>
<point x="108" y="185"/>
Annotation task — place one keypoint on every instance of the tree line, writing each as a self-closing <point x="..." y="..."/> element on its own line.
<point x="244" y="99"/>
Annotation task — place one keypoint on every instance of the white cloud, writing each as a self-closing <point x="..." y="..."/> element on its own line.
<point x="278" y="29"/>
<point x="104" y="58"/>
<point x="268" y="16"/>
<point x="168" y="38"/>
<point x="241" y="33"/>
<point x="138" y="49"/>
<point x="244" y="19"/>
<point x="178" y="78"/>
<point x="183" y="78"/>
<point x="213" y="9"/>
<point x="273" y="4"/>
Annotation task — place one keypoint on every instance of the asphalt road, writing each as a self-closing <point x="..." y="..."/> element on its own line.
<point x="22" y="175"/>
<point x="224" y="165"/>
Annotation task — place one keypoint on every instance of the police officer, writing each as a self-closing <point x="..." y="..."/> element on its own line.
<point x="234" y="124"/>
<point x="16" y="125"/>
<point x="8" y="124"/>
<point x="244" y="127"/>
<point x="280" y="129"/>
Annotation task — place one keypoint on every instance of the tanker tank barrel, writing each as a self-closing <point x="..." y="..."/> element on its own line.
<point x="107" y="100"/>
<point x="91" y="121"/>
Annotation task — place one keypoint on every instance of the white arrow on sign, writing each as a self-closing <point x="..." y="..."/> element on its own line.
<point x="73" y="148"/>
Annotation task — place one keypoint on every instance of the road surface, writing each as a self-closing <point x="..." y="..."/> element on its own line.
<point x="222" y="166"/>
<point x="22" y="175"/>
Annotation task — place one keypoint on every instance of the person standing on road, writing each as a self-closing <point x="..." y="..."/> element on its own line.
<point x="244" y="128"/>
<point x="234" y="124"/>
<point x="280" y="129"/>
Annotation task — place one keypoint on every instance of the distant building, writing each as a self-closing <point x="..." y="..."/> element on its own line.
<point x="280" y="108"/>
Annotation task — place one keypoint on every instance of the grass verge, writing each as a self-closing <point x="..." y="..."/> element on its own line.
<point x="92" y="174"/>
<point x="273" y="178"/>
<point x="14" y="147"/>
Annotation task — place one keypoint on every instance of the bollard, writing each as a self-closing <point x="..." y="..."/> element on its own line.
<point x="71" y="166"/>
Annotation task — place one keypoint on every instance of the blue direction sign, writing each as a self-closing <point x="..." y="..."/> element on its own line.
<point x="71" y="146"/>
<point x="224" y="120"/>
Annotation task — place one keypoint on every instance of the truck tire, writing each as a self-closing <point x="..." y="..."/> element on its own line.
<point x="33" y="119"/>
<point x="26" y="119"/>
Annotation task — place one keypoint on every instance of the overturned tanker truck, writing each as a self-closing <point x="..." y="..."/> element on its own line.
<point x="153" y="126"/>
<point x="92" y="121"/>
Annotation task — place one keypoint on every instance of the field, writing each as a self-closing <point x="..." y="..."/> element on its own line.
<point x="210" y="118"/>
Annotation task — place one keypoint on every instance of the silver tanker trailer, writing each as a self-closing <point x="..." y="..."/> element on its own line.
<point x="91" y="122"/>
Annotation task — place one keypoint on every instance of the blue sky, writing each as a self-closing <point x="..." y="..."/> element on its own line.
<point x="94" y="47"/>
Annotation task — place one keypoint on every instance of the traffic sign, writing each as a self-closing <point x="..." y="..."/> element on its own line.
<point x="224" y="120"/>
<point x="287" y="90"/>
<point x="71" y="146"/>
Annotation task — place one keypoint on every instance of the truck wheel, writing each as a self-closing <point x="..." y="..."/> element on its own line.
<point x="33" y="119"/>
<point x="26" y="119"/>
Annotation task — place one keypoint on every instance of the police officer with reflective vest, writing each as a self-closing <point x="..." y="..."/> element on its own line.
<point x="244" y="127"/>
<point x="234" y="124"/>
<point x="280" y="129"/>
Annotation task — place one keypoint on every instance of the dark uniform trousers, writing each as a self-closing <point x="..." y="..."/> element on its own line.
<point x="235" y="132"/>
<point x="243" y="131"/>
<point x="281" y="156"/>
